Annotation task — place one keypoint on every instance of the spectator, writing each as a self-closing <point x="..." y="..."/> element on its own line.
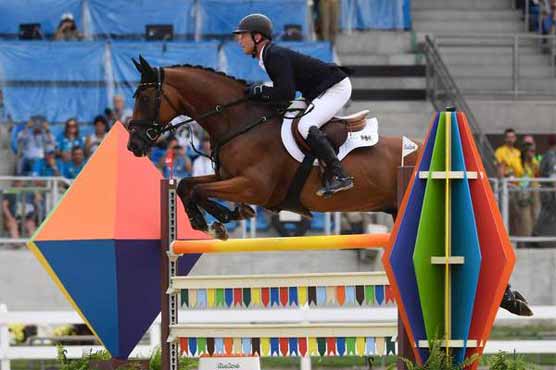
<point x="49" y="166"/>
<point x="530" y="140"/>
<point x="18" y="206"/>
<point x="508" y="157"/>
<point x="508" y="161"/>
<point x="527" y="197"/>
<point x="72" y="169"/>
<point x="120" y="112"/>
<point x="181" y="163"/>
<point x="202" y="165"/>
<point x="67" y="29"/>
<point x="32" y="143"/>
<point x="546" y="222"/>
<point x="328" y="15"/>
<point x="69" y="139"/>
<point x="93" y="140"/>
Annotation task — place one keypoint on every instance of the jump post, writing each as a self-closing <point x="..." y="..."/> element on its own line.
<point x="171" y="284"/>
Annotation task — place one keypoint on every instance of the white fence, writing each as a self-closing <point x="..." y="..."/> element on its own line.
<point x="9" y="352"/>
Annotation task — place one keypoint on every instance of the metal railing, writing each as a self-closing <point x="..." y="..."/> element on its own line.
<point x="524" y="62"/>
<point x="443" y="91"/>
<point x="25" y="195"/>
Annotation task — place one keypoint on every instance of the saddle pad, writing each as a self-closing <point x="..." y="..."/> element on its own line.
<point x="366" y="137"/>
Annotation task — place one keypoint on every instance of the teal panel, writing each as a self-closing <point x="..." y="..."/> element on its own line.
<point x="465" y="242"/>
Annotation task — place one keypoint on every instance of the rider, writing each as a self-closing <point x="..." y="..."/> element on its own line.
<point x="324" y="85"/>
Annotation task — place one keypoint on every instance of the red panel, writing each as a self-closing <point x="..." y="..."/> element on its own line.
<point x="498" y="258"/>
<point x="331" y="346"/>
<point x="302" y="345"/>
<point x="341" y="295"/>
<point x="265" y="296"/>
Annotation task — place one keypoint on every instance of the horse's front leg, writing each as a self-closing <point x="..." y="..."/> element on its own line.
<point x="236" y="190"/>
<point x="195" y="215"/>
<point x="218" y="211"/>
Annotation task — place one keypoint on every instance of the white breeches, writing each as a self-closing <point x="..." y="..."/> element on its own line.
<point x="325" y="106"/>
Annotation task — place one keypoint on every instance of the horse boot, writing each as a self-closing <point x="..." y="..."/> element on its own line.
<point x="335" y="179"/>
<point x="514" y="302"/>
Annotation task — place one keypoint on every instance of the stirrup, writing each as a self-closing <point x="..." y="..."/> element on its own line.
<point x="327" y="192"/>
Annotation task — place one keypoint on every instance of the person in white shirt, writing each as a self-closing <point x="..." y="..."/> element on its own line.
<point x="202" y="166"/>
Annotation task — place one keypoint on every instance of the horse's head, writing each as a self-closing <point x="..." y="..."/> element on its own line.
<point x="152" y="109"/>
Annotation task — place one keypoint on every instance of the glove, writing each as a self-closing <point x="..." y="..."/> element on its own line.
<point x="255" y="92"/>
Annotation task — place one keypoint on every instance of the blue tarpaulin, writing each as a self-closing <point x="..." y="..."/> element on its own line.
<point x="45" y="12"/>
<point x="58" y="80"/>
<point x="131" y="16"/>
<point x="375" y="14"/>
<point x="220" y="17"/>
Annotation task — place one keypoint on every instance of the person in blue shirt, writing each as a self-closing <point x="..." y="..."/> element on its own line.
<point x="49" y="166"/>
<point x="72" y="169"/>
<point x="69" y="139"/>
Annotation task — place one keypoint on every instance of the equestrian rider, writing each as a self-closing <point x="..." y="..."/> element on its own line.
<point x="326" y="86"/>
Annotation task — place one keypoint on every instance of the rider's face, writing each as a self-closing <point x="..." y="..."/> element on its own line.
<point x="246" y="42"/>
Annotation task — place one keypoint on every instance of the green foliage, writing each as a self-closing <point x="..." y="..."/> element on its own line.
<point x="504" y="361"/>
<point x="438" y="360"/>
<point x="184" y="362"/>
<point x="79" y="364"/>
<point x="83" y="363"/>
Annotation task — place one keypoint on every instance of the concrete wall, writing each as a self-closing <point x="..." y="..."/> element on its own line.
<point x="25" y="286"/>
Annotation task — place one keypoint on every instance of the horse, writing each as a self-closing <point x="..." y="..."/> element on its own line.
<point x="253" y="167"/>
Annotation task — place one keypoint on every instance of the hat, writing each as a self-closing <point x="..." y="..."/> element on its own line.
<point x="67" y="17"/>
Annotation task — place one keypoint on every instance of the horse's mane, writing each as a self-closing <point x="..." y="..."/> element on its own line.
<point x="208" y="69"/>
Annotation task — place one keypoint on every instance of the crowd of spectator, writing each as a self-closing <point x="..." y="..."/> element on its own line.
<point x="531" y="209"/>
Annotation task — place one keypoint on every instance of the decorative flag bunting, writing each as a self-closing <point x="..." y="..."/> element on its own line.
<point x="334" y="296"/>
<point x="288" y="347"/>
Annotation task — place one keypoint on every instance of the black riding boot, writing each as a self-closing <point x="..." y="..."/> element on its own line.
<point x="514" y="302"/>
<point x="335" y="179"/>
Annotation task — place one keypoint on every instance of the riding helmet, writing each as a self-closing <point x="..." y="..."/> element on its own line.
<point x="252" y="23"/>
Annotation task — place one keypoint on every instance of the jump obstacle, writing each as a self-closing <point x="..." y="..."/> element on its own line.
<point x="447" y="261"/>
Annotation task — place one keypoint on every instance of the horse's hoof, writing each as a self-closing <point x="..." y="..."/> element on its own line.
<point x="518" y="295"/>
<point x="517" y="307"/>
<point x="218" y="231"/>
<point x="245" y="211"/>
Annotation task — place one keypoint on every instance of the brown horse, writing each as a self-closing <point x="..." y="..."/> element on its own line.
<point x="254" y="167"/>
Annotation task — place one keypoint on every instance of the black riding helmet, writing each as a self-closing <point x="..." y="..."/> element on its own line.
<point x="255" y="23"/>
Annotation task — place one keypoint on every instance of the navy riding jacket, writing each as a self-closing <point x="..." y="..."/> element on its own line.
<point x="291" y="71"/>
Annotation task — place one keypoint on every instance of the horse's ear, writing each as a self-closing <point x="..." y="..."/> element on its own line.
<point x="137" y="65"/>
<point x="144" y="64"/>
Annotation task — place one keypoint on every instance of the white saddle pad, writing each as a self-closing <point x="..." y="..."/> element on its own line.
<point x="366" y="137"/>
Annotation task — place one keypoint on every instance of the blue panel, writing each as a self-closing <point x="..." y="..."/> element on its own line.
<point x="221" y="17"/>
<point x="44" y="74"/>
<point x="51" y="61"/>
<point x="243" y="66"/>
<point x="87" y="269"/>
<point x="465" y="242"/>
<point x="401" y="257"/>
<point x="131" y="16"/>
<point x="81" y="103"/>
<point x="158" y="54"/>
<point x="46" y="12"/>
<point x="138" y="272"/>
<point x="375" y="14"/>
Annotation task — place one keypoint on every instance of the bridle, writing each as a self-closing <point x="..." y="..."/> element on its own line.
<point x="153" y="127"/>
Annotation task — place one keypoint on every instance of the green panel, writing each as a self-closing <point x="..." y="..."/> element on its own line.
<point x="430" y="242"/>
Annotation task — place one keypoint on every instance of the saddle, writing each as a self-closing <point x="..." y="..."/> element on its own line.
<point x="336" y="130"/>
